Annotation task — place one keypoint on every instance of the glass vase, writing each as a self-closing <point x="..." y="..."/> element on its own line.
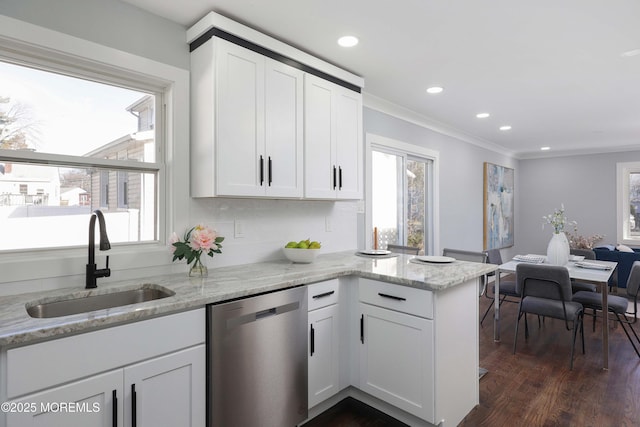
<point x="558" y="249"/>
<point x="198" y="269"/>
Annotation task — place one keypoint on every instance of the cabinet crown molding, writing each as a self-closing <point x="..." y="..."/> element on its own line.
<point x="215" y="20"/>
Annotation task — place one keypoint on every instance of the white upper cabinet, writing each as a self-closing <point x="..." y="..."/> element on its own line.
<point x="333" y="141"/>
<point x="283" y="130"/>
<point x="247" y="124"/>
<point x="263" y="124"/>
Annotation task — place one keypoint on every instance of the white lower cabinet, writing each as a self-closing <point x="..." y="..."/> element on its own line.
<point x="167" y="391"/>
<point x="97" y="403"/>
<point x="149" y="373"/>
<point x="323" y="344"/>
<point x="160" y="392"/>
<point x="396" y="359"/>
<point x="323" y="354"/>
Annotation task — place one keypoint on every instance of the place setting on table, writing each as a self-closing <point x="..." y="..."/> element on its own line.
<point x="376" y="253"/>
<point x="432" y="259"/>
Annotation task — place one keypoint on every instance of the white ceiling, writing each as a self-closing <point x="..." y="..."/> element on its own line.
<point x="553" y="70"/>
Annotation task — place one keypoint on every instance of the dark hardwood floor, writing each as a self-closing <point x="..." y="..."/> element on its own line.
<point x="352" y="413"/>
<point x="535" y="387"/>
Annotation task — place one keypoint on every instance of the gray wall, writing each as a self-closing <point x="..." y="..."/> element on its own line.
<point x="110" y="23"/>
<point x="461" y="177"/>
<point x="585" y="184"/>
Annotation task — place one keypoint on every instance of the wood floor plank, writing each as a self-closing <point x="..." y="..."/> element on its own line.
<point x="535" y="387"/>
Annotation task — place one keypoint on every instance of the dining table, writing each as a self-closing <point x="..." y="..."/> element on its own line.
<point x="592" y="271"/>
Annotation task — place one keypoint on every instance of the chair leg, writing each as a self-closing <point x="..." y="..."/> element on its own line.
<point x="491" y="305"/>
<point x="573" y="344"/>
<point x="627" y="333"/>
<point x="515" y="339"/>
<point x="526" y="327"/>
<point x="594" y="320"/>
<point x="487" y="312"/>
<point x="634" y="331"/>
<point x="582" y="332"/>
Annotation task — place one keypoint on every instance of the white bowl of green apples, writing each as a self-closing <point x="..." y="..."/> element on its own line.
<point x="302" y="252"/>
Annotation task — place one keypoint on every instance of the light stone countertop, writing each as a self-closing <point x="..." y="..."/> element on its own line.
<point x="225" y="283"/>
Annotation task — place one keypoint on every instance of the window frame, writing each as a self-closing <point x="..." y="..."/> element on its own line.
<point x="380" y="143"/>
<point x="623" y="169"/>
<point x="31" y="45"/>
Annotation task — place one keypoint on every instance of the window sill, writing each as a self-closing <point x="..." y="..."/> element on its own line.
<point x="28" y="266"/>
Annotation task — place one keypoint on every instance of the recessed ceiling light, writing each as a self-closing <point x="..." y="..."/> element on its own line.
<point x="482" y="115"/>
<point x="633" y="52"/>
<point x="506" y="127"/>
<point x="434" y="89"/>
<point x="545" y="148"/>
<point x="348" y="41"/>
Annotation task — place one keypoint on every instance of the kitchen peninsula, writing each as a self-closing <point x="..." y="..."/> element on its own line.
<point x="436" y="303"/>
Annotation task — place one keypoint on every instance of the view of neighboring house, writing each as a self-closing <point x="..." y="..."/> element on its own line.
<point x="122" y="189"/>
<point x="22" y="185"/>
<point x="126" y="198"/>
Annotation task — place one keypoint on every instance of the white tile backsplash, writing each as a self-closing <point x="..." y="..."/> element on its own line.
<point x="269" y="224"/>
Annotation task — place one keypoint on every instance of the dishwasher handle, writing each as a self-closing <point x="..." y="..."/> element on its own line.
<point x="262" y="314"/>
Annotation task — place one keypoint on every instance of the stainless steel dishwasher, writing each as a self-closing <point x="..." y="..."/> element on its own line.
<point x="257" y="361"/>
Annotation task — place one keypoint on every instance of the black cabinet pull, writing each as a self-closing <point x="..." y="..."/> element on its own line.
<point x="114" y="410"/>
<point x="270" y="175"/>
<point x="326" y="294"/>
<point x="340" y="177"/>
<point x="392" y="297"/>
<point x="312" y="338"/>
<point x="133" y="406"/>
<point x="261" y="170"/>
<point x="334" y="177"/>
<point x="362" y="329"/>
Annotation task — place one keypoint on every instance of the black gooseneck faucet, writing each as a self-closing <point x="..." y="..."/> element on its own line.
<point x="92" y="272"/>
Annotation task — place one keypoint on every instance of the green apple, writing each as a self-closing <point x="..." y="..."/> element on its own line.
<point x="314" y="245"/>
<point x="291" y="245"/>
<point x="303" y="244"/>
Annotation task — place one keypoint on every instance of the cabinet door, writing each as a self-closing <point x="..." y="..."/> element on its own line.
<point x="319" y="138"/>
<point x="349" y="143"/>
<point x="324" y="333"/>
<point x="283" y="130"/>
<point x="240" y="156"/>
<point x="396" y="359"/>
<point x="86" y="403"/>
<point x="167" y="391"/>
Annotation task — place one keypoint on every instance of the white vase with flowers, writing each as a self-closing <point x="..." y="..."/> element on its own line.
<point x="558" y="248"/>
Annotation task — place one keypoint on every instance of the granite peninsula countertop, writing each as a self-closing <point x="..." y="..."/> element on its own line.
<point x="225" y="283"/>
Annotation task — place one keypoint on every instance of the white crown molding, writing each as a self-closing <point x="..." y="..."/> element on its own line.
<point x="577" y="152"/>
<point x="403" y="113"/>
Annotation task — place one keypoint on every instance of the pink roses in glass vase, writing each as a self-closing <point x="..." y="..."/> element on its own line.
<point x="198" y="240"/>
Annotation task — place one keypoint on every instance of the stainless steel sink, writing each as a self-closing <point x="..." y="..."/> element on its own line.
<point x="85" y="304"/>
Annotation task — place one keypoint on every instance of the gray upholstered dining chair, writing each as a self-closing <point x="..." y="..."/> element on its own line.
<point x="581" y="286"/>
<point x="463" y="255"/>
<point x="507" y="287"/>
<point x="399" y="249"/>
<point x="617" y="305"/>
<point x="546" y="291"/>
<point x="471" y="256"/>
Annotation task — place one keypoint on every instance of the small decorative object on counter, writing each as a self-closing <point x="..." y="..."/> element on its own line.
<point x="558" y="248"/>
<point x="198" y="240"/>
<point x="303" y="252"/>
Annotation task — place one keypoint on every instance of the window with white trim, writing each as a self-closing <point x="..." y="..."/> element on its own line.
<point x="628" y="211"/>
<point x="77" y="136"/>
<point x="401" y="195"/>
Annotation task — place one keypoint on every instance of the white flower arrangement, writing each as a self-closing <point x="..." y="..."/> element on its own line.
<point x="558" y="220"/>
